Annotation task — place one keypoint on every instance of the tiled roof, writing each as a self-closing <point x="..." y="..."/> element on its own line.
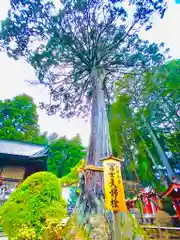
<point x="9" y="147"/>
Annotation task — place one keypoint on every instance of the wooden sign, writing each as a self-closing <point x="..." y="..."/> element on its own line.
<point x="113" y="185"/>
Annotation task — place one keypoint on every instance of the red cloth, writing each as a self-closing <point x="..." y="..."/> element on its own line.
<point x="147" y="203"/>
<point x="177" y="207"/>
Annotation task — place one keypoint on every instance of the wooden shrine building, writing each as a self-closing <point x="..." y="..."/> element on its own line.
<point x="18" y="160"/>
<point x="174" y="193"/>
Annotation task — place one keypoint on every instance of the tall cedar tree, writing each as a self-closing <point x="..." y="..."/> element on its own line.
<point x="78" y="53"/>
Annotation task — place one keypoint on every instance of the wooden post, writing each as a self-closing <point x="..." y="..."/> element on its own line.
<point x="159" y="230"/>
<point x="116" y="226"/>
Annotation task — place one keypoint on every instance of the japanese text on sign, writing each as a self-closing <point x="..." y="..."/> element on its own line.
<point x="114" y="191"/>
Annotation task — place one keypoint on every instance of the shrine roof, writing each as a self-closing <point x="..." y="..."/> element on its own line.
<point x="23" y="149"/>
<point x="173" y="191"/>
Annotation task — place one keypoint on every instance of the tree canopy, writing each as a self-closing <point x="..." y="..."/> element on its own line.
<point x="65" y="45"/>
<point x="36" y="200"/>
<point x="65" y="154"/>
<point x="19" y="120"/>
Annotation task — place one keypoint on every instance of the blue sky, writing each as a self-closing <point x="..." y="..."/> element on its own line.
<point x="14" y="73"/>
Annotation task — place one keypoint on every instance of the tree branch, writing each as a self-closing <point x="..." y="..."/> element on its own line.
<point x="115" y="45"/>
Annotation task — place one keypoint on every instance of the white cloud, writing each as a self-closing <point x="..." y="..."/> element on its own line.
<point x="167" y="29"/>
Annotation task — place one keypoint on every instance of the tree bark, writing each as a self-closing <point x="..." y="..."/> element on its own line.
<point x="99" y="146"/>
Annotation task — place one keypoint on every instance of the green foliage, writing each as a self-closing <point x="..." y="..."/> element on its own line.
<point x="36" y="200"/>
<point x="155" y="96"/>
<point x="73" y="176"/>
<point x="169" y="76"/>
<point x="162" y="108"/>
<point x="64" y="155"/>
<point x="80" y="36"/>
<point x="123" y="135"/>
<point x="19" y="120"/>
<point x="120" y="122"/>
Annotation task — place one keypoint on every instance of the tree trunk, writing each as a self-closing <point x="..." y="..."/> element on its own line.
<point x="90" y="206"/>
<point x="149" y="152"/>
<point x="154" y="162"/>
<point x="99" y="146"/>
<point x="159" y="149"/>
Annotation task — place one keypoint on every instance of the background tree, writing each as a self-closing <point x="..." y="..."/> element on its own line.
<point x="65" y="154"/>
<point x="73" y="177"/>
<point x="36" y="200"/>
<point x="52" y="137"/>
<point x="152" y="127"/>
<point x="128" y="143"/>
<point x="82" y="50"/>
<point x="19" y="120"/>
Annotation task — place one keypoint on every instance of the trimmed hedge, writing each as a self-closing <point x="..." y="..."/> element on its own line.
<point x="36" y="200"/>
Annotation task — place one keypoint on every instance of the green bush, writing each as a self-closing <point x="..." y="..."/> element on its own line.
<point x="36" y="200"/>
